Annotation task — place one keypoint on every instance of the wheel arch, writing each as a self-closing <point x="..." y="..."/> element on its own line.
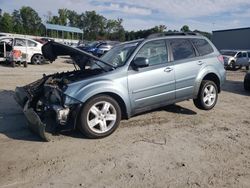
<point x="207" y="75"/>
<point x="119" y="100"/>
<point x="213" y="77"/>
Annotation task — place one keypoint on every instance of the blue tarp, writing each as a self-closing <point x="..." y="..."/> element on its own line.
<point x="62" y="28"/>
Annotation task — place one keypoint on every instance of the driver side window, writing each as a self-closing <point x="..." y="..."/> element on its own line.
<point x="155" y="52"/>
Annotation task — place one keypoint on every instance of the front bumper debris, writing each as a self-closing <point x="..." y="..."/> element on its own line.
<point x="34" y="121"/>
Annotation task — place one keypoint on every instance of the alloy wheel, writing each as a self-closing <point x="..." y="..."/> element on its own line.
<point x="209" y="95"/>
<point x="101" y="117"/>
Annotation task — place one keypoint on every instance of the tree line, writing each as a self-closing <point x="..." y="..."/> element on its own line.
<point x="95" y="26"/>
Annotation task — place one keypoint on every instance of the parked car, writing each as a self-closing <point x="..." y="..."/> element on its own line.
<point x="131" y="78"/>
<point x="236" y="59"/>
<point x="31" y="48"/>
<point x="104" y="47"/>
<point x="98" y="48"/>
<point x="247" y="81"/>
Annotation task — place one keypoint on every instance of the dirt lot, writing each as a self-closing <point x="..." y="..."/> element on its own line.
<point x="177" y="146"/>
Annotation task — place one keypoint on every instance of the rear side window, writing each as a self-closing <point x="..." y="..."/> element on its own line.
<point x="182" y="49"/>
<point x="31" y="43"/>
<point x="202" y="46"/>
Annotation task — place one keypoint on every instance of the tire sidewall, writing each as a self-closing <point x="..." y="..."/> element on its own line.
<point x="82" y="121"/>
<point x="205" y="84"/>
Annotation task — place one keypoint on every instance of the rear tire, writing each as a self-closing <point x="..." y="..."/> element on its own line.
<point x="207" y="96"/>
<point x="247" y="67"/>
<point x="37" y="59"/>
<point x="99" y="117"/>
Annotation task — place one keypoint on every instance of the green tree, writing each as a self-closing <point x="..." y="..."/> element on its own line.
<point x="63" y="16"/>
<point x="93" y="25"/>
<point x="31" y="20"/>
<point x="17" y="22"/>
<point x="185" y="28"/>
<point x="73" y="18"/>
<point x="6" y="23"/>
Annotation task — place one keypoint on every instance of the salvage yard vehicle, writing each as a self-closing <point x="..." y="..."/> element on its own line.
<point x="131" y="78"/>
<point x="247" y="81"/>
<point x="31" y="48"/>
<point x="236" y="58"/>
<point x="98" y="48"/>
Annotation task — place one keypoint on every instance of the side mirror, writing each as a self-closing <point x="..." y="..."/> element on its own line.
<point x="141" y="62"/>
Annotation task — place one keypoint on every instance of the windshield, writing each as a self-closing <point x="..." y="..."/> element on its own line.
<point x="228" y="53"/>
<point x="118" y="55"/>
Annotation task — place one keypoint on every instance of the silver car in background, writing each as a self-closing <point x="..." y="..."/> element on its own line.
<point x="236" y="58"/>
<point x="131" y="78"/>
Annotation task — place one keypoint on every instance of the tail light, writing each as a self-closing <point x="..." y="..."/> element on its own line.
<point x="221" y="59"/>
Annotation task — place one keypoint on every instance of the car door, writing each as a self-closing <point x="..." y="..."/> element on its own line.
<point x="241" y="58"/>
<point x="243" y="61"/>
<point x="21" y="44"/>
<point x="187" y="67"/>
<point x="32" y="48"/>
<point x="153" y="85"/>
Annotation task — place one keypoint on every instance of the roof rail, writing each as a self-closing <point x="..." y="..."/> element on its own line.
<point x="155" y="35"/>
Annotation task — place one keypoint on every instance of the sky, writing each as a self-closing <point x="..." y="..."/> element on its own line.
<point x="205" y="15"/>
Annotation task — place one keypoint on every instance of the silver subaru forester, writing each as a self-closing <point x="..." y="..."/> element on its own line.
<point x="131" y="78"/>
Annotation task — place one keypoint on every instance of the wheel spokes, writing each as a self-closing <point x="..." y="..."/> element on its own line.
<point x="110" y="117"/>
<point x="103" y="125"/>
<point x="94" y="110"/>
<point x="206" y="90"/>
<point x="105" y="107"/>
<point x="94" y="122"/>
<point x="211" y="89"/>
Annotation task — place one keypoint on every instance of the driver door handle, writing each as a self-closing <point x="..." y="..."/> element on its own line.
<point x="168" y="69"/>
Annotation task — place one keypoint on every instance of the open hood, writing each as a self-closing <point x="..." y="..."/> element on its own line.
<point x="51" y="50"/>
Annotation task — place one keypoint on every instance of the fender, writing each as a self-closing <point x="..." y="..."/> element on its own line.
<point x="202" y="73"/>
<point x="84" y="92"/>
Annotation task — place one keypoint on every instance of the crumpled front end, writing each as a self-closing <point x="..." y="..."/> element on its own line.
<point x="47" y="109"/>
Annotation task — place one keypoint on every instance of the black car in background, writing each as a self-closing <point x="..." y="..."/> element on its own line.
<point x="247" y="82"/>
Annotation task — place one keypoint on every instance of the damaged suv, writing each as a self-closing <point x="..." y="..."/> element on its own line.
<point x="131" y="78"/>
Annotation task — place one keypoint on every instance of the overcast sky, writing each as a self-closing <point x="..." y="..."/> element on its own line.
<point x="206" y="15"/>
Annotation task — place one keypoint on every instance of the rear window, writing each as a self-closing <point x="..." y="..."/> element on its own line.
<point x="202" y="46"/>
<point x="31" y="43"/>
<point x="182" y="49"/>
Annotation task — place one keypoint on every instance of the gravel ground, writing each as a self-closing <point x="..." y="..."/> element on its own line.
<point x="175" y="146"/>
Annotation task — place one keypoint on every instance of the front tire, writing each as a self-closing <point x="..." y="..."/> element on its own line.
<point x="99" y="117"/>
<point x="208" y="95"/>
